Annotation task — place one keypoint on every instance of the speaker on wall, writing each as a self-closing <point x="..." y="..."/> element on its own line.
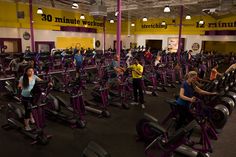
<point x="20" y="14"/>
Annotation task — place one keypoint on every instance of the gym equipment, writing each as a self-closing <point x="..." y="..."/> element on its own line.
<point x="75" y="105"/>
<point x="12" y="90"/>
<point x="94" y="150"/>
<point x="15" y="119"/>
<point x="150" y="130"/>
<point x="100" y="93"/>
<point x="54" y="110"/>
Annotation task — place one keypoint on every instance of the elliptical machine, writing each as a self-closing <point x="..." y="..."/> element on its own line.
<point x="15" y="118"/>
<point x="75" y="105"/>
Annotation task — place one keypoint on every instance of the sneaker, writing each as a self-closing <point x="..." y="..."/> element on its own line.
<point x="143" y="106"/>
<point x="134" y="103"/>
<point x="28" y="129"/>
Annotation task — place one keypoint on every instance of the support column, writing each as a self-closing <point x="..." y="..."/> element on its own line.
<point x="118" y="31"/>
<point x="180" y="32"/>
<point x="104" y="34"/>
<point x="31" y="26"/>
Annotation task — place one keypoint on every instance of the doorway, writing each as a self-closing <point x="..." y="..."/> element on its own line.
<point x="13" y="45"/>
<point x="222" y="47"/>
<point x="154" y="45"/>
<point x="114" y="45"/>
<point x="44" y="46"/>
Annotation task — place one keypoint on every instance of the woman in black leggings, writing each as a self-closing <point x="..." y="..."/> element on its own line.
<point x="26" y="84"/>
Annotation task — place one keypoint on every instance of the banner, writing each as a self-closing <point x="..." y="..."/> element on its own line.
<point x="68" y="42"/>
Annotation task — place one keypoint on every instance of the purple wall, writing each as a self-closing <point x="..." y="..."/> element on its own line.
<point x="78" y="29"/>
<point x="228" y="32"/>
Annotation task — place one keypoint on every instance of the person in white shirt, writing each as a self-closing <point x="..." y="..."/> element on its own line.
<point x="128" y="58"/>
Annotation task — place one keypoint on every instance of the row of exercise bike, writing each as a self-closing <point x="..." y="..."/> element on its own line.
<point x="54" y="106"/>
<point x="210" y="115"/>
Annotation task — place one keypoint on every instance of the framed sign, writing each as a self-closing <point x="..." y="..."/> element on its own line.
<point x="26" y="36"/>
<point x="195" y="46"/>
<point x="173" y="44"/>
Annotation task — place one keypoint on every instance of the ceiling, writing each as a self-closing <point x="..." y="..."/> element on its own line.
<point x="135" y="9"/>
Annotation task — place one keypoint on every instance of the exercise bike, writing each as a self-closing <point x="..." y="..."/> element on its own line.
<point x="154" y="134"/>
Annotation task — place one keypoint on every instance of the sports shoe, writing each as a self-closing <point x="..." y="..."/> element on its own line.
<point x="143" y="106"/>
<point x="28" y="129"/>
<point x="134" y="103"/>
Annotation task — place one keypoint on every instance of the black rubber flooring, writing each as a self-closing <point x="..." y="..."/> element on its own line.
<point x="116" y="134"/>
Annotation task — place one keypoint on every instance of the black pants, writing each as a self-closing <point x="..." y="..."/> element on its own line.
<point x="184" y="116"/>
<point x="137" y="88"/>
<point x="27" y="102"/>
<point x="201" y="74"/>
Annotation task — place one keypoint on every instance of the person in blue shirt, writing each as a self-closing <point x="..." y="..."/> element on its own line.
<point x="78" y="60"/>
<point x="187" y="97"/>
<point x="26" y="84"/>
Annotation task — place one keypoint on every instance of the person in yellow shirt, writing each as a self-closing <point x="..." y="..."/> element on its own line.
<point x="137" y="72"/>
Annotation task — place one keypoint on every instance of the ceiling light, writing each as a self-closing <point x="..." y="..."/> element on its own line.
<point x="111" y="21"/>
<point x="188" y="17"/>
<point x="201" y="22"/>
<point x="132" y="24"/>
<point x="75" y="6"/>
<point x="163" y="23"/>
<point x="82" y="17"/>
<point x="39" y="11"/>
<point x="166" y="9"/>
<point x="145" y="19"/>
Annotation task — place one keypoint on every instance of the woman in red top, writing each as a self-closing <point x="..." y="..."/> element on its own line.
<point x="214" y="72"/>
<point x="148" y="56"/>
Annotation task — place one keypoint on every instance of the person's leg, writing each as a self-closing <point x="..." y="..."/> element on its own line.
<point x="25" y="102"/>
<point x="135" y="88"/>
<point x="140" y="90"/>
<point x="182" y="117"/>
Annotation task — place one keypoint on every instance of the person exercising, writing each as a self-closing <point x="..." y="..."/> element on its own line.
<point x="115" y="70"/>
<point x="26" y="84"/>
<point x="78" y="61"/>
<point x="214" y="72"/>
<point x="186" y="98"/>
<point x="137" y="72"/>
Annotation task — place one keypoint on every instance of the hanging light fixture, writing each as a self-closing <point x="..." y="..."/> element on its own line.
<point x="201" y="22"/>
<point x="166" y="9"/>
<point x="188" y="17"/>
<point x="39" y="11"/>
<point x="132" y="24"/>
<point x="112" y="21"/>
<point x="145" y="19"/>
<point x="82" y="17"/>
<point x="75" y="6"/>
<point x="163" y="23"/>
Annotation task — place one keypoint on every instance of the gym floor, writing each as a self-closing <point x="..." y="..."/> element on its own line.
<point x="116" y="134"/>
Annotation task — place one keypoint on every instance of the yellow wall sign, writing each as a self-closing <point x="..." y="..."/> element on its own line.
<point x="68" y="42"/>
<point x="53" y="19"/>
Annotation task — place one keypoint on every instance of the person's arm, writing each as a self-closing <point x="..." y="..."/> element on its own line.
<point x="219" y="73"/>
<point x="182" y="96"/>
<point x="203" y="92"/>
<point x="38" y="78"/>
<point x="20" y="84"/>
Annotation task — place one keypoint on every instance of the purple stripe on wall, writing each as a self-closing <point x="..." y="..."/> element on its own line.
<point x="226" y="32"/>
<point x="78" y="29"/>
